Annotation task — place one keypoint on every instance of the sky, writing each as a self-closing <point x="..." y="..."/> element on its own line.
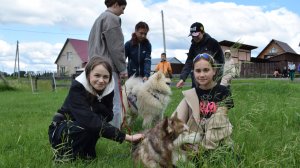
<point x="42" y="27"/>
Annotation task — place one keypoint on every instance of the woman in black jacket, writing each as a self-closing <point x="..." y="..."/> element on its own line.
<point x="84" y="116"/>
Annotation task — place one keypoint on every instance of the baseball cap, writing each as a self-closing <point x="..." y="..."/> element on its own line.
<point x="196" y="28"/>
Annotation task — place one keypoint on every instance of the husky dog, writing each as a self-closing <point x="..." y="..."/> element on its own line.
<point x="155" y="150"/>
<point x="147" y="99"/>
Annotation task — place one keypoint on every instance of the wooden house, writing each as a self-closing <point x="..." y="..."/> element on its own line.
<point x="276" y="55"/>
<point x="72" y="57"/>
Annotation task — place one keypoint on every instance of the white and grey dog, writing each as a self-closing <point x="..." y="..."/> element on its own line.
<point x="147" y="99"/>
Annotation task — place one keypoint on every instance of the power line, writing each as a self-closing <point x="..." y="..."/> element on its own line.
<point x="40" y="32"/>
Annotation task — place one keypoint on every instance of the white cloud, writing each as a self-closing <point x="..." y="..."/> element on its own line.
<point x="33" y="56"/>
<point x="74" y="13"/>
<point x="252" y="25"/>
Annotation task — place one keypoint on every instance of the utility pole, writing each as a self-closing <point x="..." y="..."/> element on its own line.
<point x="163" y="28"/>
<point x="17" y="61"/>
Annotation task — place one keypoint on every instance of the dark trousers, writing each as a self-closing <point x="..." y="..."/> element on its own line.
<point x="70" y="141"/>
<point x="292" y="74"/>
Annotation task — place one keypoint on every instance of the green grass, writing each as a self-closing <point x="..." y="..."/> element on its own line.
<point x="266" y="120"/>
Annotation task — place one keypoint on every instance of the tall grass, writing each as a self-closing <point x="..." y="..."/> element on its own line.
<point x="266" y="120"/>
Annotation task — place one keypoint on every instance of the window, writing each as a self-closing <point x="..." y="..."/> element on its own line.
<point x="273" y="50"/>
<point x="69" y="56"/>
<point x="62" y="70"/>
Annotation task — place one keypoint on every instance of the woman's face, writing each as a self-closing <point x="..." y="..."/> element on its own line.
<point x="141" y="34"/>
<point x="204" y="73"/>
<point x="118" y="10"/>
<point x="99" y="77"/>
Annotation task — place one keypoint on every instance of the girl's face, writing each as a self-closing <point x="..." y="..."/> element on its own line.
<point x="204" y="73"/>
<point x="141" y="34"/>
<point x="99" y="77"/>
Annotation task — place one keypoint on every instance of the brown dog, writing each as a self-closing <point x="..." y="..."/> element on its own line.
<point x="155" y="150"/>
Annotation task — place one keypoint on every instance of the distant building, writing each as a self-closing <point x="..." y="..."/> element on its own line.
<point x="276" y="55"/>
<point x="239" y="52"/>
<point x="277" y="51"/>
<point x="72" y="57"/>
<point x="175" y="64"/>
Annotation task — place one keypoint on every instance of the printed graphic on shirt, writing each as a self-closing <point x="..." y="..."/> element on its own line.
<point x="207" y="108"/>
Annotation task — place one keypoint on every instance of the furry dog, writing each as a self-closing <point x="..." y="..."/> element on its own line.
<point x="155" y="150"/>
<point x="146" y="99"/>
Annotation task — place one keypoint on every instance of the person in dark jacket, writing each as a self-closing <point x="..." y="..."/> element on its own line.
<point x="201" y="43"/>
<point x="138" y="51"/>
<point x="85" y="113"/>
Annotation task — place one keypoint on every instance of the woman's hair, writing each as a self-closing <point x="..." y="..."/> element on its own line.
<point x="110" y="3"/>
<point x="139" y="25"/>
<point x="206" y="57"/>
<point x="97" y="60"/>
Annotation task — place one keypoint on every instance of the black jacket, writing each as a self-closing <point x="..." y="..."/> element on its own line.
<point x="206" y="45"/>
<point x="89" y="111"/>
<point x="139" y="58"/>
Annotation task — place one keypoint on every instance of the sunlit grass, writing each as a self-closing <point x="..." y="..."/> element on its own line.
<point x="266" y="120"/>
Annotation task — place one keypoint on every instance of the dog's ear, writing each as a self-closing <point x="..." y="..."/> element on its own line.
<point x="170" y="126"/>
<point x="175" y="115"/>
<point x="159" y="75"/>
<point x="165" y="123"/>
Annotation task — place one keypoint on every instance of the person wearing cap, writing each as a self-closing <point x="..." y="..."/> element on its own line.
<point x="229" y="69"/>
<point x="202" y="42"/>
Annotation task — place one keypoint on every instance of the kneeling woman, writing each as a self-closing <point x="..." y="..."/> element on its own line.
<point x="84" y="116"/>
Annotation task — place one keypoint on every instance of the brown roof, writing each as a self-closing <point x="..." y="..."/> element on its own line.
<point x="284" y="46"/>
<point x="230" y="44"/>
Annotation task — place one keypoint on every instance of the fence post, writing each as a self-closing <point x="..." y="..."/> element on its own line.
<point x="35" y="83"/>
<point x="53" y="83"/>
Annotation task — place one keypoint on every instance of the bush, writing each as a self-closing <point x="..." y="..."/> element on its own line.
<point x="4" y="87"/>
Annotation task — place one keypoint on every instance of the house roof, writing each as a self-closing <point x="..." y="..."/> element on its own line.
<point x="172" y="60"/>
<point x="80" y="46"/>
<point x="284" y="46"/>
<point x="230" y="44"/>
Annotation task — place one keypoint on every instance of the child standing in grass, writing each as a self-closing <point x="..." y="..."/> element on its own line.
<point x="204" y="109"/>
<point x="84" y="116"/>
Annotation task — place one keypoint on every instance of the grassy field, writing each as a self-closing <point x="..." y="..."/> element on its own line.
<point x="266" y="120"/>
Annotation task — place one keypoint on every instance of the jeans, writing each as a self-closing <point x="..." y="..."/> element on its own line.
<point x="292" y="74"/>
<point x="117" y="108"/>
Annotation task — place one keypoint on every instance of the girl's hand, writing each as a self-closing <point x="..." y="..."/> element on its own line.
<point x="134" y="138"/>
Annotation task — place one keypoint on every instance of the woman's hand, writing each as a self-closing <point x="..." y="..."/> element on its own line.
<point x="134" y="138"/>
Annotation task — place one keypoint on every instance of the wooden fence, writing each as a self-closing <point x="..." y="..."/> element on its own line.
<point x="260" y="70"/>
